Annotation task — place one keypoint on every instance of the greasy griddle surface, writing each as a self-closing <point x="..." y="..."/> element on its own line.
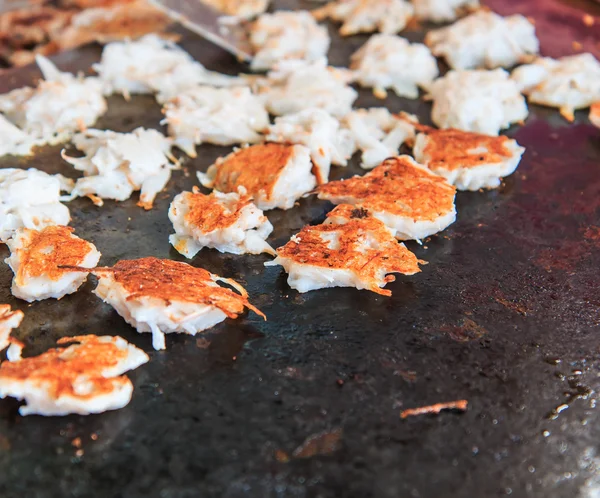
<point x="505" y="315"/>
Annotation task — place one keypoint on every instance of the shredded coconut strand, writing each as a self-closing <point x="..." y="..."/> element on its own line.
<point x="568" y="83"/>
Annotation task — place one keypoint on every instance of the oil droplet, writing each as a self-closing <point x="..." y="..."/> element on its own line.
<point x="552" y="361"/>
<point x="531" y="469"/>
<point x="546" y="433"/>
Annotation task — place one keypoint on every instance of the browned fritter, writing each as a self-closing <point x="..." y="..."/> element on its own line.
<point x="44" y="29"/>
<point x="255" y="168"/>
<point x="24" y="31"/>
<point x="208" y="214"/>
<point x="58" y="374"/>
<point x="365" y="247"/>
<point x="174" y="281"/>
<point x="448" y="149"/>
<point x="128" y="19"/>
<point x="48" y="250"/>
<point x="398" y="187"/>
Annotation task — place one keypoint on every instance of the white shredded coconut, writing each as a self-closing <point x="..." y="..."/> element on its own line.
<point x="485" y="40"/>
<point x="321" y="133"/>
<point x="295" y="85"/>
<point x="477" y="100"/>
<point x="31" y="199"/>
<point x="117" y="164"/>
<point x="378" y="134"/>
<point x="440" y="11"/>
<point x="60" y="105"/>
<point x="153" y="65"/>
<point x="222" y="116"/>
<point x="367" y="16"/>
<point x="286" y="35"/>
<point x="389" y="61"/>
<point x="241" y="227"/>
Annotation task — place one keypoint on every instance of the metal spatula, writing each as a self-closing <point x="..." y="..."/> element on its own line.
<point x="209" y="24"/>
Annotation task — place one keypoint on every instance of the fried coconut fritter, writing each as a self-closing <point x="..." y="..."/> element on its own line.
<point x="412" y="201"/>
<point x="569" y="83"/>
<point x="485" y="40"/>
<point x="8" y="320"/>
<point x="389" y="61"/>
<point x="162" y="296"/>
<point x="351" y="249"/>
<point x="469" y="161"/>
<point x="82" y="378"/>
<point x="43" y="29"/>
<point x="378" y="134"/>
<point x="275" y="175"/>
<point x="154" y="65"/>
<point x="321" y="133"/>
<point x="222" y="116"/>
<point x="227" y="222"/>
<point x="440" y="11"/>
<point x="61" y="104"/>
<point x="477" y="100"/>
<point x="31" y="199"/>
<point x="36" y="259"/>
<point x="286" y="35"/>
<point x="116" y="164"/>
<point x="295" y="85"/>
<point x="367" y="16"/>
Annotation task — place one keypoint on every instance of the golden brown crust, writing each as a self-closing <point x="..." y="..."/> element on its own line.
<point x="34" y="26"/>
<point x="174" y="281"/>
<point x="57" y="370"/>
<point x="449" y="149"/>
<point x="398" y="187"/>
<point x="47" y="250"/>
<point x="256" y="168"/>
<point x="363" y="245"/>
<point x="208" y="214"/>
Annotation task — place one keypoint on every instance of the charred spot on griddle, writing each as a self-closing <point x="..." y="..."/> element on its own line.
<point x="359" y="213"/>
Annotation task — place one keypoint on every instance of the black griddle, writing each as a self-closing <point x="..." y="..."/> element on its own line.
<point x="307" y="404"/>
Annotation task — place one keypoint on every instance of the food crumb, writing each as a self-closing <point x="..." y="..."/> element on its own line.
<point x="577" y="45"/>
<point x="76" y="442"/>
<point x="324" y="443"/>
<point x="281" y="456"/>
<point x="202" y="343"/>
<point x="79" y="453"/>
<point x="588" y="20"/>
<point x="380" y="93"/>
<point x="436" y="408"/>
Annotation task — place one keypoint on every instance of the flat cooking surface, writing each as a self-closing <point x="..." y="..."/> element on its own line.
<point x="505" y="315"/>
